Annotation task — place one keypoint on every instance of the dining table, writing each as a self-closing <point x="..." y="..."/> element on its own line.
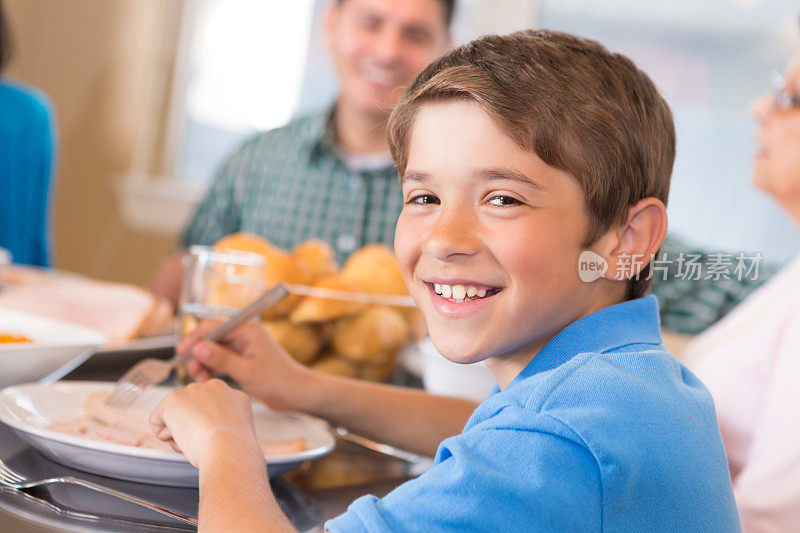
<point x="310" y="495"/>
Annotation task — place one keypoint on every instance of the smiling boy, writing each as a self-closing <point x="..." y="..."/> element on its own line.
<point x="516" y="154"/>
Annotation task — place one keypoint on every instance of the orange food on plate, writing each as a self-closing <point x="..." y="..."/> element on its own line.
<point x="8" y="338"/>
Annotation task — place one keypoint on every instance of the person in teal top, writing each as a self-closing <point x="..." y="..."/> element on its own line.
<point x="327" y="175"/>
<point x="27" y="155"/>
<point x="534" y="167"/>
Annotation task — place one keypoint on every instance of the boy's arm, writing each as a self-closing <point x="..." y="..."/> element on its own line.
<point x="406" y="418"/>
<point x="227" y="502"/>
<point x="212" y="425"/>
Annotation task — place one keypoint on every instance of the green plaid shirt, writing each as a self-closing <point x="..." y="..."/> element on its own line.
<point x="695" y="288"/>
<point x="289" y="185"/>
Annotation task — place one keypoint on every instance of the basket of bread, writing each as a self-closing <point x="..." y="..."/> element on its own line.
<point x="336" y="336"/>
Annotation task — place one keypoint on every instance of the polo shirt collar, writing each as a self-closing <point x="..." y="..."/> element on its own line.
<point x="632" y="322"/>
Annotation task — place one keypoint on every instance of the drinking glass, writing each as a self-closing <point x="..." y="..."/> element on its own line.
<point x="217" y="284"/>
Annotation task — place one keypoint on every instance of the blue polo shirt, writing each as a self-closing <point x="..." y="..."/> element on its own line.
<point x="602" y="431"/>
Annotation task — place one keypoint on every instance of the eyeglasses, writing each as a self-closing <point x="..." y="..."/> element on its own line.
<point x="783" y="99"/>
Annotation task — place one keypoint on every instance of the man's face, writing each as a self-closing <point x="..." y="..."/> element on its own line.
<point x="484" y="217"/>
<point x="379" y="47"/>
<point x="776" y="167"/>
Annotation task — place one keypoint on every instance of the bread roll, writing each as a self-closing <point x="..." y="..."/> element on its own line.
<point x="314" y="309"/>
<point x="279" y="266"/>
<point x="373" y="335"/>
<point x="245" y="242"/>
<point x="337" y="366"/>
<point x="374" y="269"/>
<point x="318" y="257"/>
<point x="301" y="341"/>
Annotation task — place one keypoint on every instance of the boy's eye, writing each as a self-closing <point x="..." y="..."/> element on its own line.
<point x="423" y="199"/>
<point x="502" y="200"/>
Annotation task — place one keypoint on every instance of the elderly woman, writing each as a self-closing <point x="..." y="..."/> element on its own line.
<point x="750" y="361"/>
<point x="27" y="144"/>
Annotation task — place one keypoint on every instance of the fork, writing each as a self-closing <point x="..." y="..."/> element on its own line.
<point x="143" y="374"/>
<point x="13" y="479"/>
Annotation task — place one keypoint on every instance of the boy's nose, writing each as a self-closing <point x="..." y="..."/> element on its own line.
<point x="452" y="236"/>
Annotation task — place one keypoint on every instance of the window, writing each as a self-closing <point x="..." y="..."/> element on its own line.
<point x="246" y="61"/>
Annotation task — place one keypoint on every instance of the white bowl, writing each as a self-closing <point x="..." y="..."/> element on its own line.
<point x="57" y="347"/>
<point x="446" y="378"/>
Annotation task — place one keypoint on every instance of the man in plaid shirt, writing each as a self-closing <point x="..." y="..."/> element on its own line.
<point x="329" y="175"/>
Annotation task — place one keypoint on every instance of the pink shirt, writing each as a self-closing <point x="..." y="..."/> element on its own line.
<point x="750" y="361"/>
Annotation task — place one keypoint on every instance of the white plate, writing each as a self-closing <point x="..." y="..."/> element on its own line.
<point x="28" y="409"/>
<point x="57" y="347"/>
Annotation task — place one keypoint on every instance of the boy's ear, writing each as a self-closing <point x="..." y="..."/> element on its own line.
<point x="636" y="242"/>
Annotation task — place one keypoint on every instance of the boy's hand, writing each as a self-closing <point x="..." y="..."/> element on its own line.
<point x="204" y="420"/>
<point x="251" y="357"/>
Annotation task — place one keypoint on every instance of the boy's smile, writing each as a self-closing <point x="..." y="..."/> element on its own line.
<point x="457" y="298"/>
<point x="489" y="240"/>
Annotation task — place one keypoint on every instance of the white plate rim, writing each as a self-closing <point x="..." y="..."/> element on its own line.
<point x="148" y="453"/>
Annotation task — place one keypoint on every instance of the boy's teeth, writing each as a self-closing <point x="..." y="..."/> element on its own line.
<point x="458" y="292"/>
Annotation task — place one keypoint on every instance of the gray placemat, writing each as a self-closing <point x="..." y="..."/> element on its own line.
<point x="74" y="508"/>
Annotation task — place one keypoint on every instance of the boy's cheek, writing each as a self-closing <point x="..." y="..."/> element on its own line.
<point x="406" y="247"/>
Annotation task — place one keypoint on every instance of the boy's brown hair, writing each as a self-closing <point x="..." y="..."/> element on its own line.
<point x="577" y="106"/>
